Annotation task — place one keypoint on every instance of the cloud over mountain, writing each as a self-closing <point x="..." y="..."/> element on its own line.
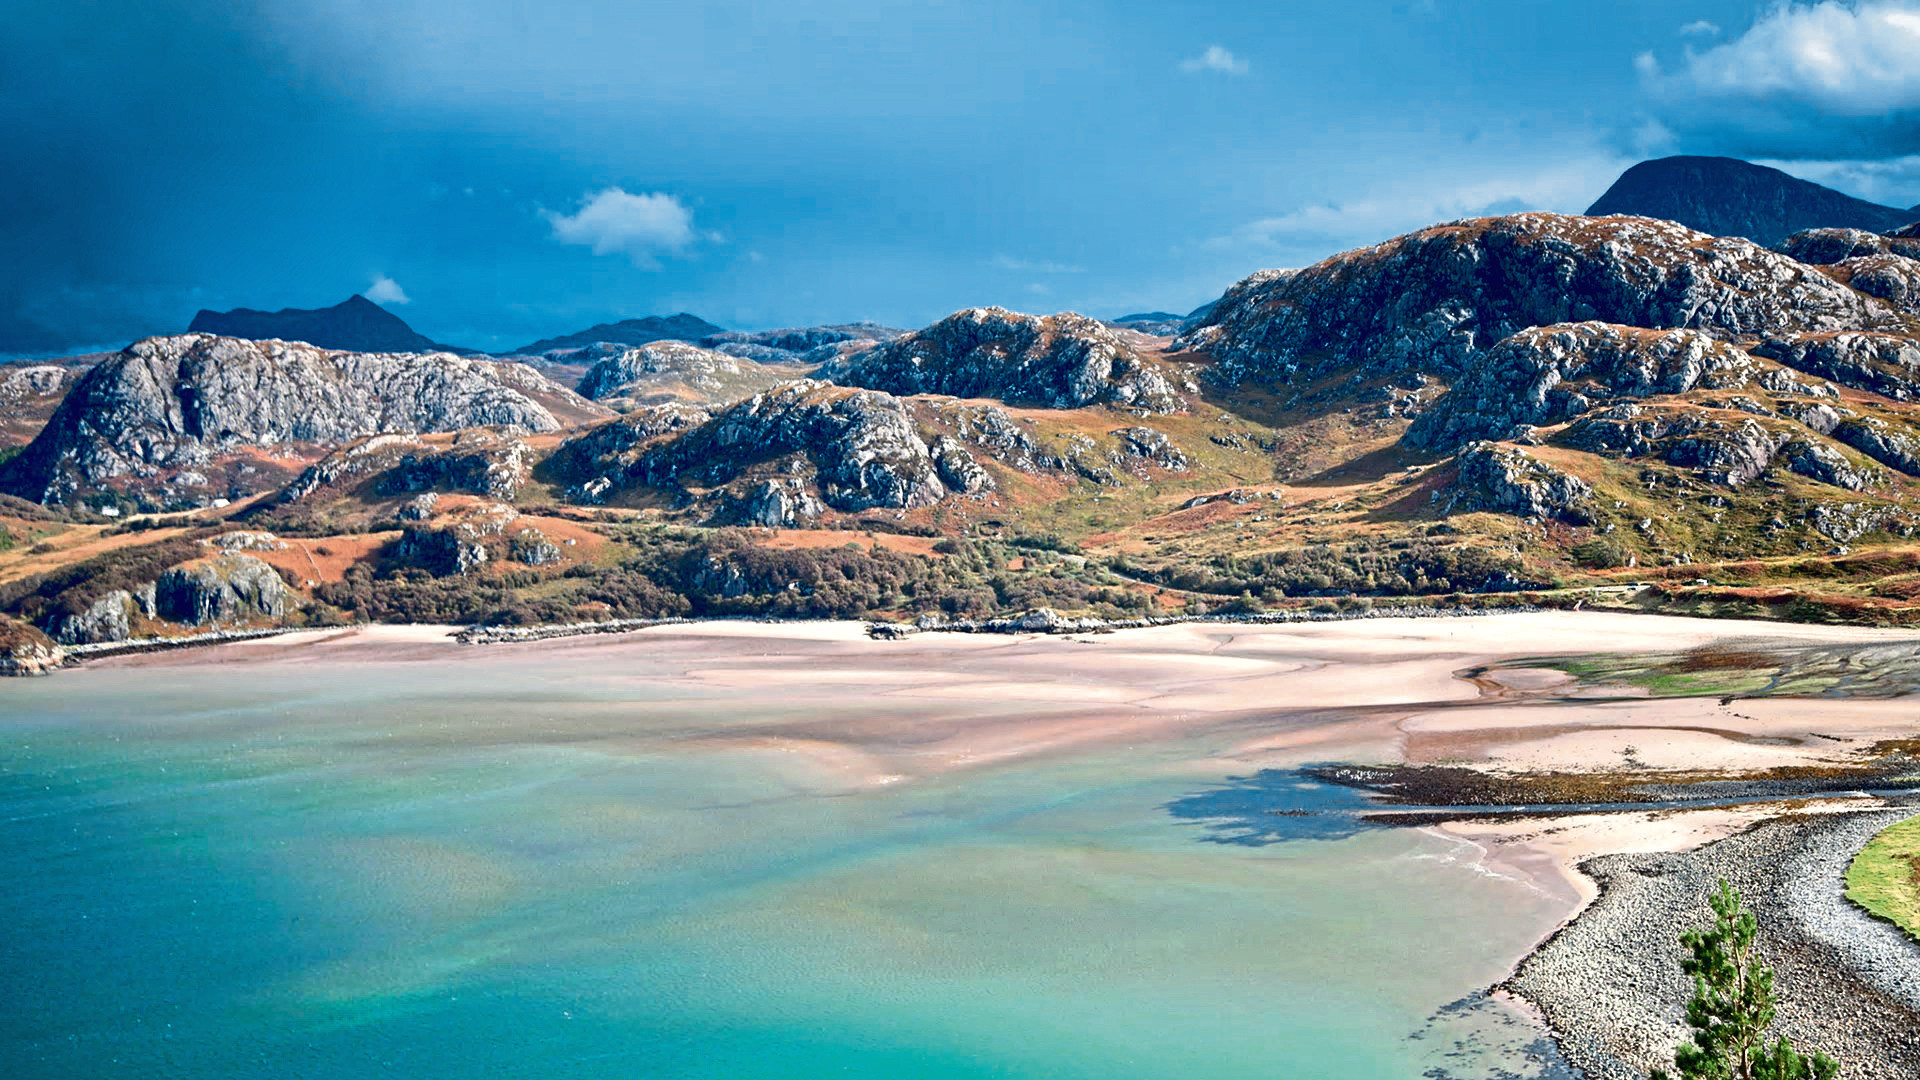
<point x="1830" y="79"/>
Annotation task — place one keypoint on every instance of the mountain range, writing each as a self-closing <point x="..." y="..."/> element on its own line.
<point x="1533" y="408"/>
<point x="1730" y="197"/>
<point x="356" y="323"/>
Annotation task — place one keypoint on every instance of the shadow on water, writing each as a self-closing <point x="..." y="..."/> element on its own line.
<point x="1278" y="805"/>
<point x="1275" y="805"/>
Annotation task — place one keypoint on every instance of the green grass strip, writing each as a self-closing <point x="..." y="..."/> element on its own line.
<point x="1885" y="876"/>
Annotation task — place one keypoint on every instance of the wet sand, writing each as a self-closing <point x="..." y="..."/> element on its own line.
<point x="860" y="713"/>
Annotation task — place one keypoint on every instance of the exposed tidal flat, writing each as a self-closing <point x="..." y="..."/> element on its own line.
<point x="787" y="851"/>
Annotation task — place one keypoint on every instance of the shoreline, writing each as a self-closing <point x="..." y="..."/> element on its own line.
<point x="1608" y="986"/>
<point x="846" y="715"/>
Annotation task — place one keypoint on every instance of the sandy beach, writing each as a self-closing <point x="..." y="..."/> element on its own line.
<point x="831" y="711"/>
<point x="861" y="712"/>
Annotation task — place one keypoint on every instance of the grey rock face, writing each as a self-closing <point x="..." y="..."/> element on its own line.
<point x="447" y="549"/>
<point x="108" y="618"/>
<point x="595" y="460"/>
<point x="664" y="371"/>
<point x="1817" y="461"/>
<point x="1552" y="374"/>
<point x="1886" y="364"/>
<point x="175" y="403"/>
<point x="227" y="589"/>
<point x="1058" y="361"/>
<point x="863" y="444"/>
<point x="1893" y="278"/>
<point x="1881" y="441"/>
<point x="25" y="383"/>
<point x="1507" y="480"/>
<point x="24" y="650"/>
<point x="1824" y="247"/>
<point x="1433" y="301"/>
<point x="531" y="546"/>
<point x="782" y="503"/>
<point x="479" y="461"/>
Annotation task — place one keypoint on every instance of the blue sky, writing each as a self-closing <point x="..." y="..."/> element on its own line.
<point x="514" y="170"/>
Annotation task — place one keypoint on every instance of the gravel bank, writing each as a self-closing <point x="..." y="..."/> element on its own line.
<point x="1610" y="985"/>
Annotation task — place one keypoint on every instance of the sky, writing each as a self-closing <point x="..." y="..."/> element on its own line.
<point x="497" y="171"/>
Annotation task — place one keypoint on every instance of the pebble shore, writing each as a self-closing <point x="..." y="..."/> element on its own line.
<point x="1609" y="983"/>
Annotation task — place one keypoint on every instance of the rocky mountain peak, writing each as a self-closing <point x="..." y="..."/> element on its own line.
<point x="356" y="324"/>
<point x="1730" y="197"/>
<point x="165" y="411"/>
<point x="1432" y="302"/>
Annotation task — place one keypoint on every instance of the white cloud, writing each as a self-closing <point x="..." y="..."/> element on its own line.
<point x="642" y="227"/>
<point x="1860" y="59"/>
<point x="1889" y="182"/>
<point x="1034" y="266"/>
<point x="1218" y="59"/>
<point x="385" y="290"/>
<point x="1318" y="230"/>
<point x="1700" y="28"/>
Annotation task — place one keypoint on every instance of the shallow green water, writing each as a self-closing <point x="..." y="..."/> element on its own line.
<point x="516" y="869"/>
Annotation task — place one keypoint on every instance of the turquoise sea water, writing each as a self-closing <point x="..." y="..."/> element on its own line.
<point x="508" y="869"/>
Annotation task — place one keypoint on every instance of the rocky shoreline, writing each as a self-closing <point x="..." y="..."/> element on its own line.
<point x="1609" y="983"/>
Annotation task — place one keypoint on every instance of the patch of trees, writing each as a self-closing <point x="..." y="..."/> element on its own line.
<point x="1406" y="568"/>
<point x="73" y="589"/>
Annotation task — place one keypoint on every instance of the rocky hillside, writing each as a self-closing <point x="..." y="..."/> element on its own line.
<point x="811" y="345"/>
<point x="179" y="420"/>
<point x="668" y="371"/>
<point x="1730" y="197"/>
<point x="356" y="324"/>
<point x="681" y="327"/>
<point x="1057" y="361"/>
<point x="1431" y="304"/>
<point x="781" y="457"/>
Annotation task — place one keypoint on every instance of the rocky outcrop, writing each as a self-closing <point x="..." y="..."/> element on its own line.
<point x="810" y="346"/>
<point x="24" y="650"/>
<point x="1893" y="278"/>
<point x="1730" y="197"/>
<point x="1152" y="446"/>
<point x="594" y="461"/>
<point x="1824" y="247"/>
<point x="783" y="502"/>
<point x="29" y="394"/>
<point x="1057" y="361"/>
<point x="478" y="461"/>
<point x="355" y="325"/>
<point x="108" y="617"/>
<point x="167" y="407"/>
<point x="1881" y="441"/>
<point x="224" y="590"/>
<point x="1433" y="302"/>
<point x="1818" y="461"/>
<point x="1507" y="480"/>
<point x="668" y="371"/>
<point x="1887" y="364"/>
<point x="863" y="447"/>
<point x="1553" y="374"/>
